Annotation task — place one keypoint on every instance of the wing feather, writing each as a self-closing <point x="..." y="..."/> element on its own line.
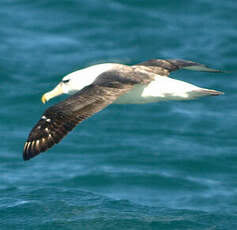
<point x="164" y="67"/>
<point x="61" y="118"/>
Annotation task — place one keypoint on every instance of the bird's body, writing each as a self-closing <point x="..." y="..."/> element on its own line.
<point x="161" y="89"/>
<point x="96" y="87"/>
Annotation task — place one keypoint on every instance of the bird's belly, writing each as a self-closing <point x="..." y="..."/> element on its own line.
<point x="161" y="89"/>
<point x="134" y="96"/>
<point x="141" y="94"/>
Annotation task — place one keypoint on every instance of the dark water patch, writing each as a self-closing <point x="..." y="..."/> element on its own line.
<point x="69" y="209"/>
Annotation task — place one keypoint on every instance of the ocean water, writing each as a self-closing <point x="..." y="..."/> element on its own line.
<point x="170" y="165"/>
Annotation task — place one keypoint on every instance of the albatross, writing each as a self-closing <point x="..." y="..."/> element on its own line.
<point x="95" y="87"/>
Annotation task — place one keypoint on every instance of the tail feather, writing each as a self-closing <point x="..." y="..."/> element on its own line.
<point x="209" y="92"/>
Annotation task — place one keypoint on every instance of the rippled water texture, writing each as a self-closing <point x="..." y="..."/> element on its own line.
<point x="168" y="165"/>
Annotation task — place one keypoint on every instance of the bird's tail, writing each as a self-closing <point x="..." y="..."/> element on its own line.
<point x="202" y="92"/>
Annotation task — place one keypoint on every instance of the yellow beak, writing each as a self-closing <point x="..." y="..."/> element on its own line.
<point x="53" y="93"/>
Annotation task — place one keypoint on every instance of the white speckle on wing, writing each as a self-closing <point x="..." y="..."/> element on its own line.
<point x="48" y="120"/>
<point x="37" y="143"/>
<point x="26" y="145"/>
<point x="44" y="117"/>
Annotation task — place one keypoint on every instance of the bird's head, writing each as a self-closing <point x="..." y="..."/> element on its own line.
<point x="77" y="80"/>
<point x="68" y="85"/>
<point x="62" y="88"/>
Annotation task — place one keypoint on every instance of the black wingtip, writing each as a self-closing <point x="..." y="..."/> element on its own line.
<point x="26" y="157"/>
<point x="30" y="151"/>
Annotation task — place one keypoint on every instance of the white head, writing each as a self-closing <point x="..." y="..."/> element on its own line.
<point x="77" y="80"/>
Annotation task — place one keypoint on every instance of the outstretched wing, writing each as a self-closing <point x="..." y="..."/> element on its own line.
<point x="164" y="67"/>
<point x="61" y="118"/>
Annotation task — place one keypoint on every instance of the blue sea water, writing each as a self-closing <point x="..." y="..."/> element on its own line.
<point x="170" y="165"/>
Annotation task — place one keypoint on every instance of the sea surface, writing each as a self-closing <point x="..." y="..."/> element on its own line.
<point x="161" y="166"/>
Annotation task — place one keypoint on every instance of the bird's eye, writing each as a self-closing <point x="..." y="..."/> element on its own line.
<point x="65" y="81"/>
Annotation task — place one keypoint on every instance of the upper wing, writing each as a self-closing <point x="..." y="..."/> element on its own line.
<point x="61" y="118"/>
<point x="164" y="67"/>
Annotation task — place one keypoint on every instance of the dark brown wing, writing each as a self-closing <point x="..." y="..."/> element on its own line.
<point x="164" y="67"/>
<point x="61" y="118"/>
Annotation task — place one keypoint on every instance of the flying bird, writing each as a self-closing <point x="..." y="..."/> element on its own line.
<point x="95" y="87"/>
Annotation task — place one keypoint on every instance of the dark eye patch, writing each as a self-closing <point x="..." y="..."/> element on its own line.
<point x="65" y="81"/>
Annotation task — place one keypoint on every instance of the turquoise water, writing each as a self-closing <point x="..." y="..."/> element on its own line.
<point x="170" y="165"/>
